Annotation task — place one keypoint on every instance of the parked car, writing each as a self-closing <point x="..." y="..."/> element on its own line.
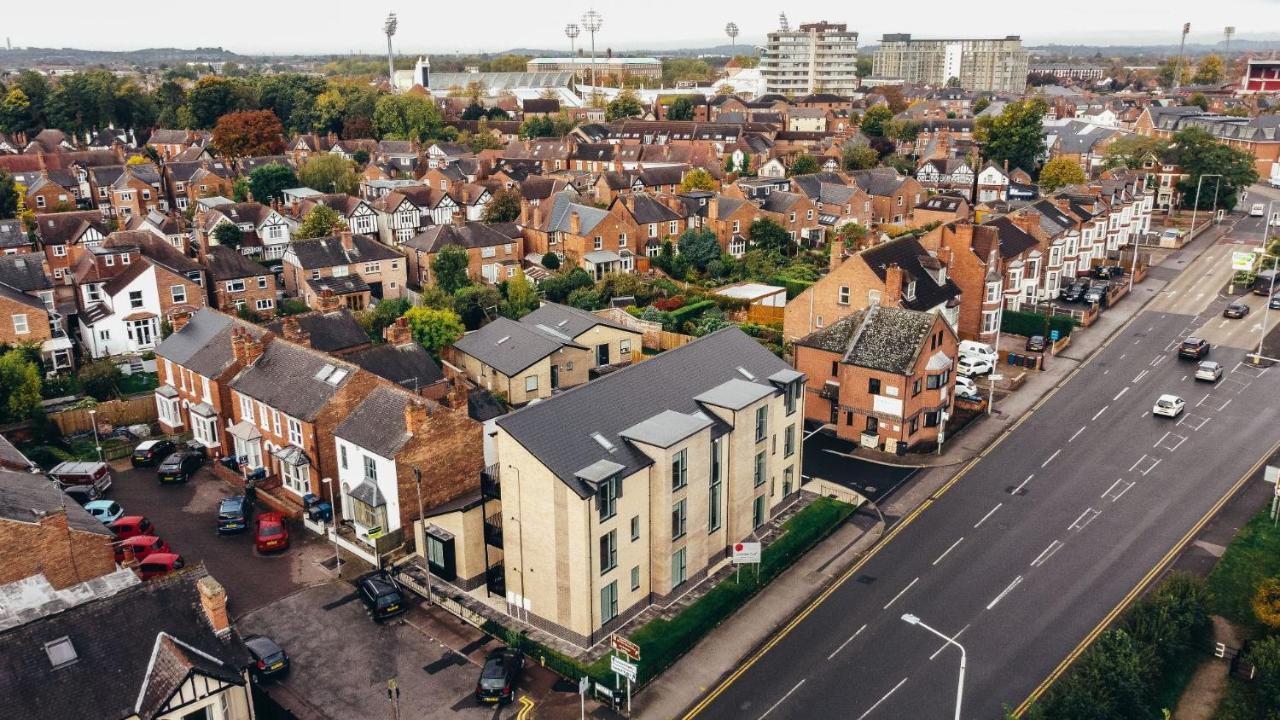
<point x="499" y="676"/>
<point x="269" y="659"/>
<point x="968" y="392"/>
<point x="131" y="525"/>
<point x="82" y="494"/>
<point x="269" y="533"/>
<point x="970" y="366"/>
<point x="233" y="514"/>
<point x="1169" y="406"/>
<point x="1036" y="343"/>
<point x="381" y="595"/>
<point x="1236" y="310"/>
<point x="150" y="452"/>
<point x="142" y="546"/>
<point x="179" y="466"/>
<point x="1108" y="272"/>
<point x="1097" y="293"/>
<point x="1258" y="210"/>
<point x="106" y="511"/>
<point x="980" y="350"/>
<point x="1274" y="302"/>
<point x="1075" y="292"/>
<point x="1209" y="371"/>
<point x="1194" y="348"/>
<point x="79" y="472"/>
<point x="964" y="383"/>
<point x="160" y="563"/>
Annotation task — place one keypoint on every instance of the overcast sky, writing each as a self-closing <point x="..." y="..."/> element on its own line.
<point x="338" y="26"/>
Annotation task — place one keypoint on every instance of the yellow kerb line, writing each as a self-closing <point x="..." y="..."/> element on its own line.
<point x="526" y="708"/>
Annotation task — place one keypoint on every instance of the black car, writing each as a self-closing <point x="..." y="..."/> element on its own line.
<point x="1274" y="302"/>
<point x="269" y="659"/>
<point x="150" y="452"/>
<point x="1236" y="310"/>
<point x="1076" y="292"/>
<point x="1097" y="293"/>
<point x="498" y="677"/>
<point x="179" y="466"/>
<point x="233" y="515"/>
<point x="1194" y="348"/>
<point x="381" y="595"/>
<point x="82" y="494"/>
<point x="1108" y="272"/>
<point x="1036" y="343"/>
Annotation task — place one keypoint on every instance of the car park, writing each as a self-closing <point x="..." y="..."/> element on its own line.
<point x="106" y="511"/>
<point x="1194" y="348"/>
<point x="233" y="514"/>
<point x="270" y="533"/>
<point x="131" y="525"/>
<point x="1209" y="371"/>
<point x="381" y="595"/>
<point x="82" y="494"/>
<point x="269" y="660"/>
<point x="1236" y="310"/>
<point x="150" y="452"/>
<point x="499" y="676"/>
<point x="179" y="466"/>
<point x="1169" y="406"/>
<point x="970" y="366"/>
<point x="80" y="472"/>
<point x="141" y="546"/>
<point x="1097" y="293"/>
<point x="161" y="563"/>
<point x="1036" y="343"/>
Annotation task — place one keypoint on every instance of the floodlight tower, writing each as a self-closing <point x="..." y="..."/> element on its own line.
<point x="389" y="28"/>
<point x="732" y="31"/>
<point x="591" y="21"/>
<point x="572" y="31"/>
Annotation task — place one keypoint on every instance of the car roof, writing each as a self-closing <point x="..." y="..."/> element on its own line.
<point x="124" y="519"/>
<point x="272" y="516"/>
<point x="1209" y="363"/>
<point x="236" y="499"/>
<point x="1169" y="397"/>
<point x="100" y="503"/>
<point x="380" y="581"/>
<point x="161" y="557"/>
<point x="140" y="539"/>
<point x="148" y="444"/>
<point x="261" y="643"/>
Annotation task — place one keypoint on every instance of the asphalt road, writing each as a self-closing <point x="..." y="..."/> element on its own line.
<point x="1031" y="548"/>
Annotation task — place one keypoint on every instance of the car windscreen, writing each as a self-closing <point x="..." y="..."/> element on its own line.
<point x="271" y="530"/>
<point x="390" y="598"/>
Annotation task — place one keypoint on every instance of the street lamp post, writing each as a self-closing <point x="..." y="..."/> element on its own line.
<point x="1266" y="309"/>
<point x="93" y="420"/>
<point x="993" y="377"/>
<point x="417" y="480"/>
<point x="913" y="620"/>
<point x="333" y="520"/>
<point x="1195" y="206"/>
<point x="592" y="20"/>
<point x="732" y="31"/>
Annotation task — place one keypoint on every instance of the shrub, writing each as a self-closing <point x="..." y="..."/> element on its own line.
<point x="100" y="379"/>
<point x="688" y="312"/>
<point x="1028" y="323"/>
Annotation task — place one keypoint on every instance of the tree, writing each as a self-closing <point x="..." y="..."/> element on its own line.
<point x="15" y="112"/>
<point x="248" y="133"/>
<point x="19" y="385"/>
<point x="407" y="117"/>
<point x="1266" y="603"/>
<point x="859" y="156"/>
<point x="100" y="378"/>
<point x="434" y="329"/>
<point x="804" y="164"/>
<point x="853" y="234"/>
<point x="981" y="104"/>
<point x="270" y="181"/>
<point x="767" y="235"/>
<point x="328" y="173"/>
<point x="376" y="320"/>
<point x="228" y="234"/>
<point x="1200" y="154"/>
<point x="1059" y="172"/>
<point x="321" y="221"/>
<point x="551" y="261"/>
<point x="1199" y="100"/>
<point x="1167" y="71"/>
<point x="697" y="179"/>
<point x="863" y="67"/>
<point x="1265" y="654"/>
<point x="681" y="109"/>
<point x="623" y="284"/>
<point x="1015" y="136"/>
<point x="522" y="299"/>
<point x="9" y="196"/>
<point x="1209" y="70"/>
<point x="213" y="96"/>
<point x="449" y="268"/>
<point x="625" y="105"/>
<point x="699" y="246"/>
<point x="537" y="127"/>
<point x="558" y="287"/>
<point x="873" y="122"/>
<point x="476" y="304"/>
<point x="1132" y="150"/>
<point x="503" y="207"/>
<point x="585" y="298"/>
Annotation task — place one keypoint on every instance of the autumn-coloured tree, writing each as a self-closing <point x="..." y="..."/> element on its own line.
<point x="249" y="133"/>
<point x="1266" y="603"/>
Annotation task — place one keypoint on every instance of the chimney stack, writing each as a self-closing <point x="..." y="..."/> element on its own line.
<point x="713" y="208"/>
<point x="328" y="301"/>
<point x="892" y="286"/>
<point x="244" y="348"/>
<point x="416" y="416"/>
<point x="524" y="211"/>
<point x="575" y="223"/>
<point x="294" y="333"/>
<point x="537" y="215"/>
<point x="837" y="253"/>
<point x="345" y="238"/>
<point x="213" y="600"/>
<point x="177" y="322"/>
<point x="202" y="240"/>
<point x="398" y="333"/>
<point x="459" y="217"/>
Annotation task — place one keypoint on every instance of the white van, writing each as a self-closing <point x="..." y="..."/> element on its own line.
<point x="978" y="350"/>
<point x="1258" y="210"/>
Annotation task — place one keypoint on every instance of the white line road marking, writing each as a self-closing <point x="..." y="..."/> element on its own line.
<point x="1046" y="553"/>
<point x="1046" y="462"/>
<point x="1170" y="436"/>
<point x="944" y="552"/>
<point x="1123" y="490"/>
<point x="1203" y="399"/>
<point x="846" y="642"/>
<point x="989" y="514"/>
<point x="1076" y="434"/>
<point x="1122" y="355"/>
<point x="900" y="593"/>
<point x="1158" y="359"/>
<point x="1184" y="378"/>
<point x="1024" y="482"/>
<point x="1138" y="341"/>
<point x="1224" y="406"/>
<point x="881" y="700"/>
<point x="1140" y="376"/>
<point x="1194" y="422"/>
<point x="1099" y="413"/>
<point x="1104" y="372"/>
<point x="1087" y="517"/>
<point x="784" y="697"/>
<point x="944" y="645"/>
<point x="1016" y="581"/>
<point x="1113" y="486"/>
<point x="1122" y="392"/>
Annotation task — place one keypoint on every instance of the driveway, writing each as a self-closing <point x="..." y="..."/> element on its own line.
<point x="826" y="457"/>
<point x="186" y="517"/>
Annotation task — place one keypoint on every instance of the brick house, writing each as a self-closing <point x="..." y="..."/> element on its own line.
<point x="660" y="219"/>
<point x="356" y="267"/>
<point x="45" y="195"/>
<point x="728" y="216"/>
<point x="14" y="239"/>
<point x="48" y="535"/>
<point x="494" y="252"/>
<point x="65" y="237"/>
<point x="654" y="180"/>
<point x="941" y="209"/>
<point x="598" y="241"/>
<point x="974" y="255"/>
<point x="838" y="199"/>
<point x="893" y="196"/>
<point x="887" y="376"/>
<point x="797" y="214"/>
<point x="237" y="282"/>
<point x="27" y="310"/>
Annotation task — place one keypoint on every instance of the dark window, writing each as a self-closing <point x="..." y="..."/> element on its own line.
<point x="915" y="387"/>
<point x="835" y="366"/>
<point x="931" y="419"/>
<point x="915" y="425"/>
<point x="873" y="386"/>
<point x="873" y="424"/>
<point x="848" y="418"/>
<point x="934" y="382"/>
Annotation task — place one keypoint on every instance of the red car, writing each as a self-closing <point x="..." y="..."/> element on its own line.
<point x="270" y="533"/>
<point x="132" y="525"/>
<point x="142" y="546"/>
<point x="158" y="564"/>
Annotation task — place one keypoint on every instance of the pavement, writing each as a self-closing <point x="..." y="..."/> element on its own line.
<point x="1057" y="522"/>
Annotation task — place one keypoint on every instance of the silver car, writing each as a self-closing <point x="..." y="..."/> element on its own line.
<point x="1209" y="371"/>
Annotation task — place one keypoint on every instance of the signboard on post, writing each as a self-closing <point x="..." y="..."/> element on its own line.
<point x="1243" y="261"/>
<point x="623" y="668"/>
<point x="584" y="684"/>
<point x="1054" y="335"/>
<point x="625" y="646"/>
<point x="746" y="552"/>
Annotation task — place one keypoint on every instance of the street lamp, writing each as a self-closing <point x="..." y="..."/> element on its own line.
<point x="910" y="619"/>
<point x="417" y="480"/>
<point x="1266" y="309"/>
<point x="591" y="20"/>
<point x="389" y="28"/>
<point x="93" y="419"/>
<point x="1195" y="206"/>
<point x="333" y="519"/>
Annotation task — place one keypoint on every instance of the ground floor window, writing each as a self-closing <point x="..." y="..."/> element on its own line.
<point x="296" y="477"/>
<point x="205" y="429"/>
<point x="678" y="568"/>
<point x="609" y="602"/>
<point x="757" y="512"/>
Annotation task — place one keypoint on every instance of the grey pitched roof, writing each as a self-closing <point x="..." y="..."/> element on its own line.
<point x="24" y="497"/>
<point x="377" y="423"/>
<point x="509" y="347"/>
<point x="879" y="181"/>
<point x="878" y="337"/>
<point x="569" y="320"/>
<point x="330" y="331"/>
<point x="12" y="234"/>
<point x="467" y="235"/>
<point x="558" y="219"/>
<point x="288" y="378"/>
<point x="11" y="457"/>
<point x="203" y="345"/>
<point x="328" y="251"/>
<point x="410" y="366"/>
<point x="559" y="431"/>
<point x="666" y="428"/>
<point x="906" y="252"/>
<point x="226" y="263"/>
<point x="24" y="272"/>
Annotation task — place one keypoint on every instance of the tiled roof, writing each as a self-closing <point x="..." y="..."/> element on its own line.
<point x="468" y="235"/>
<point x="509" y="346"/>
<point x="203" y="345"/>
<point x="293" y="379"/>
<point x="409" y="366"/>
<point x="329" y="332"/>
<point x="328" y="251"/>
<point x="25" y="497"/>
<point x="24" y="273"/>
<point x="905" y="252"/>
<point x="569" y="320"/>
<point x="225" y="263"/>
<point x="881" y="338"/>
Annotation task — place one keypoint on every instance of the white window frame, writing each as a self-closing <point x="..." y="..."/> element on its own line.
<point x="295" y="431"/>
<point x="178" y="293"/>
<point x="20" y="324"/>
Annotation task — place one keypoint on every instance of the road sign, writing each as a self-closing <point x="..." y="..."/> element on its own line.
<point x="584" y="684"/>
<point x="626" y="647"/>
<point x="746" y="552"/>
<point x="1243" y="261"/>
<point x="1053" y="336"/>
<point x="623" y="668"/>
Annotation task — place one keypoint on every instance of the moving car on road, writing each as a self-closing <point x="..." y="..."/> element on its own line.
<point x="1209" y="371"/>
<point x="1258" y="210"/>
<point x="1194" y="348"/>
<point x="233" y="515"/>
<point x="270" y="533"/>
<point x="150" y="452"/>
<point x="1236" y="310"/>
<point x="106" y="511"/>
<point x="1274" y="302"/>
<point x="179" y="466"/>
<point x="498" y="677"/>
<point x="269" y="659"/>
<point x="381" y="595"/>
<point x="970" y="366"/>
<point x="1169" y="406"/>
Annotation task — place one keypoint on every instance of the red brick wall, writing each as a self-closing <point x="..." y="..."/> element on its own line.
<point x="66" y="557"/>
<point x="822" y="299"/>
<point x="37" y="322"/>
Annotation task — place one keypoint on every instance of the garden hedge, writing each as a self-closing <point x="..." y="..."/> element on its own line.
<point x="1028" y="324"/>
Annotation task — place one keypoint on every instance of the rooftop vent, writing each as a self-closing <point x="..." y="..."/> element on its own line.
<point x="336" y="377"/>
<point x="503" y="339"/>
<point x="325" y="372"/>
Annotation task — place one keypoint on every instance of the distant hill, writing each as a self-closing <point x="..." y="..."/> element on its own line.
<point x="26" y="57"/>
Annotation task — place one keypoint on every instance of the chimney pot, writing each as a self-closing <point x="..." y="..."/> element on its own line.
<point x="416" y="414"/>
<point x="244" y="348"/>
<point x="345" y="238"/>
<point x="177" y="322"/>
<point x="213" y="600"/>
<point x="398" y="333"/>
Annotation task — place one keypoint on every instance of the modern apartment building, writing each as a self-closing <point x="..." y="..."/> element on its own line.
<point x="818" y="57"/>
<point x="993" y="64"/>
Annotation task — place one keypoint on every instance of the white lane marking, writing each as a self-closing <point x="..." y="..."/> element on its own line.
<point x="1173" y="438"/>
<point x="901" y="592"/>
<point x="1089" y="513"/>
<point x="1076" y="434"/>
<point x="1016" y="581"/>
<point x="1138" y="341"/>
<point x="881" y="700"/>
<point x="1117" y="495"/>
<point x="784" y="697"/>
<point x="846" y="642"/>
<point x="1104" y="372"/>
<point x="1122" y="492"/>
<point x="1046" y="462"/>
<point x="1023" y="483"/>
<point x="944" y="552"/>
<point x="944" y="645"/>
<point x="1194" y="422"/>
<point x="1122" y="355"/>
<point x="1099" y="413"/>
<point x="1113" y="486"/>
<point x="1140" y="376"/>
<point x="1122" y="391"/>
<point x="989" y="514"/>
<point x="1046" y="553"/>
<point x="1159" y="359"/>
<point x="1184" y="378"/>
<point x="1203" y="399"/>
<point x="1224" y="406"/>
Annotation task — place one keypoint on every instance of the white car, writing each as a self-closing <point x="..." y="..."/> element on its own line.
<point x="966" y="389"/>
<point x="1169" y="406"/>
<point x="970" y="366"/>
<point x="1209" y="371"/>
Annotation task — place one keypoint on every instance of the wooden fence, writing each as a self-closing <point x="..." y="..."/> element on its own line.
<point x="765" y="314"/>
<point x="671" y="341"/>
<point x="132" y="411"/>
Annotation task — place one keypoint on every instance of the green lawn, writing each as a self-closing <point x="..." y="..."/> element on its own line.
<point x="1252" y="556"/>
<point x="137" y="383"/>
